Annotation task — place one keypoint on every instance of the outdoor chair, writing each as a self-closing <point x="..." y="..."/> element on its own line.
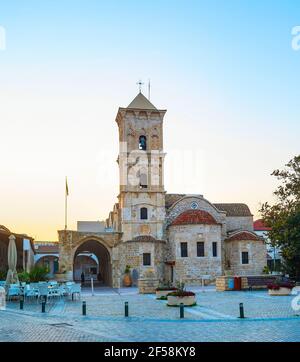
<point x="30" y="292"/>
<point x="43" y="292"/>
<point x="76" y="291"/>
<point x="54" y="292"/>
<point x="13" y="291"/>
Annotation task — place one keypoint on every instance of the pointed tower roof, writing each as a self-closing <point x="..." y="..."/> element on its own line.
<point x="141" y="102"/>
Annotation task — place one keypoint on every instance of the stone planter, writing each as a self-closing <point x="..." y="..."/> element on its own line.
<point x="163" y="293"/>
<point x="176" y="301"/>
<point x="280" y="291"/>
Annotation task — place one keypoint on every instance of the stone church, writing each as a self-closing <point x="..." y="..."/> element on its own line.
<point x="176" y="236"/>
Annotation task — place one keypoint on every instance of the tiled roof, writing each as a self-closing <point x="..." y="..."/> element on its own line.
<point x="172" y="198"/>
<point x="46" y="248"/>
<point x="231" y="209"/>
<point x="234" y="209"/>
<point x="146" y="239"/>
<point x="4" y="229"/>
<point x="141" y="102"/>
<point x="190" y="217"/>
<point x="258" y="225"/>
<point x="243" y="235"/>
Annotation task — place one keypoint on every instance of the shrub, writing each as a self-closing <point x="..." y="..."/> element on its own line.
<point x="182" y="293"/>
<point x="161" y="289"/>
<point x="24" y="277"/>
<point x="277" y="286"/>
<point x="127" y="269"/>
<point x="165" y="286"/>
<point x="38" y="274"/>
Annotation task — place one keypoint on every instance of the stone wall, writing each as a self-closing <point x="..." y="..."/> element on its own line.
<point x="239" y="223"/>
<point x="257" y="256"/>
<point x="189" y="269"/>
<point x="131" y="253"/>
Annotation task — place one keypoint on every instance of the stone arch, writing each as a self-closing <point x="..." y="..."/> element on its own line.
<point x="97" y="246"/>
<point x="50" y="260"/>
<point x="194" y="202"/>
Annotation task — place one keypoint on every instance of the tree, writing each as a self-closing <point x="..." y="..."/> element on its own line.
<point x="284" y="216"/>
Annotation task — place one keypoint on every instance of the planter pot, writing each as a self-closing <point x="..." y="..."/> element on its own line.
<point x="176" y="301"/>
<point x="127" y="282"/>
<point x="162" y="293"/>
<point x="280" y="291"/>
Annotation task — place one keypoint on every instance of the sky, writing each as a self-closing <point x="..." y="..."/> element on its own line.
<point x="226" y="72"/>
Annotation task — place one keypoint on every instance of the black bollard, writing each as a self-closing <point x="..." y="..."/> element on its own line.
<point x="21" y="303"/>
<point x="181" y="307"/>
<point x="83" y="308"/>
<point x="242" y="315"/>
<point x="126" y="309"/>
<point x="43" y="306"/>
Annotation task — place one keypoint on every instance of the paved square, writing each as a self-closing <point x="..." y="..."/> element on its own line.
<point x="215" y="318"/>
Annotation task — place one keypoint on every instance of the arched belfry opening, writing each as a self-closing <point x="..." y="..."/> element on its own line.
<point x="93" y="259"/>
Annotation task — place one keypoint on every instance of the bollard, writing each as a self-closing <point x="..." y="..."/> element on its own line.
<point x="181" y="310"/>
<point x="242" y="315"/>
<point x="21" y="303"/>
<point x="126" y="309"/>
<point x="83" y="308"/>
<point x="43" y="306"/>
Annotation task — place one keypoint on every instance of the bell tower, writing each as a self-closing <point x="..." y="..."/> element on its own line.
<point x="141" y="161"/>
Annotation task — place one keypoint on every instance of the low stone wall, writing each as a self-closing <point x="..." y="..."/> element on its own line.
<point x="147" y="285"/>
<point x="222" y="283"/>
<point x="255" y="282"/>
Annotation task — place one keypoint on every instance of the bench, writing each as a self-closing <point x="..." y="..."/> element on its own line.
<point x="260" y="282"/>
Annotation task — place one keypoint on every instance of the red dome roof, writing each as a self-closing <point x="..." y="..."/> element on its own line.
<point x="194" y="217"/>
<point x="260" y="226"/>
<point x="243" y="235"/>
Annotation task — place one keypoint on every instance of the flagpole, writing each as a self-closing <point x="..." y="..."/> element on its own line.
<point x="66" y="206"/>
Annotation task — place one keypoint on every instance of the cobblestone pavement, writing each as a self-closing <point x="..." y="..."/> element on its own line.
<point x="215" y="318"/>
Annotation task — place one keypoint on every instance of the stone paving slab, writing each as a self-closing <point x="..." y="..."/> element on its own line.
<point x="215" y="318"/>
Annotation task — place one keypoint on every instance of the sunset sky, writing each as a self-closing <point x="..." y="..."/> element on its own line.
<point x="225" y="71"/>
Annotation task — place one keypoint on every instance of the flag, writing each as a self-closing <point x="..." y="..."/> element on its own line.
<point x="67" y="188"/>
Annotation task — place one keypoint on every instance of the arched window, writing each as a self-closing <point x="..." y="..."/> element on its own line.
<point x="143" y="143"/>
<point x="144" y="213"/>
<point x="143" y="181"/>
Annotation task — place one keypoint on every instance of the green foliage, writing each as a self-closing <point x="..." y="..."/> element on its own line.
<point x="266" y="270"/>
<point x="3" y="274"/>
<point x="24" y="277"/>
<point x="38" y="274"/>
<point x="284" y="217"/>
<point x="127" y="269"/>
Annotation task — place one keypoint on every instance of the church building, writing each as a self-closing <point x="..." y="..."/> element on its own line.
<point x="177" y="236"/>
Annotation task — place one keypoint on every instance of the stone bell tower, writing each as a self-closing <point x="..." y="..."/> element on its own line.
<point x="141" y="160"/>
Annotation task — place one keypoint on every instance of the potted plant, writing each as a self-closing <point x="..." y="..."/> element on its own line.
<point x="127" y="281"/>
<point x="181" y="296"/>
<point x="280" y="288"/>
<point x="163" y="290"/>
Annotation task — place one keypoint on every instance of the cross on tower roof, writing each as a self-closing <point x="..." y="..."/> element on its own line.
<point x="140" y="83"/>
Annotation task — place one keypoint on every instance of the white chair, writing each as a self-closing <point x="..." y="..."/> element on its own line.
<point x="43" y="292"/>
<point x="30" y="292"/>
<point x="13" y="291"/>
<point x="54" y="292"/>
<point x="76" y="290"/>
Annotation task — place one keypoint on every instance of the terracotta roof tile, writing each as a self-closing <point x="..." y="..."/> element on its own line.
<point x="190" y="217"/>
<point x="243" y="235"/>
<point x="234" y="209"/>
<point x="258" y="225"/>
